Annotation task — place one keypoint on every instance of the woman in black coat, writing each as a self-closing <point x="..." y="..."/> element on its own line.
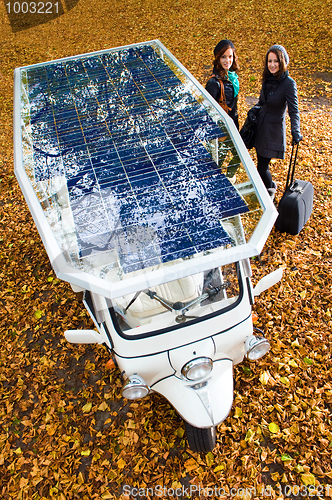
<point x="278" y="93"/>
<point x="224" y="83"/>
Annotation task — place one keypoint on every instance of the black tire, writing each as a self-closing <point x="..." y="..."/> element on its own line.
<point x="200" y="440"/>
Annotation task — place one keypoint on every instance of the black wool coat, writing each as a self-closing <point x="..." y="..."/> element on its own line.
<point x="275" y="97"/>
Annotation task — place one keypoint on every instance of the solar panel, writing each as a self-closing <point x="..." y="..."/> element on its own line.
<point x="118" y="147"/>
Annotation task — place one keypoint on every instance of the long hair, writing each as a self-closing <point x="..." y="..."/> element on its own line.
<point x="282" y="64"/>
<point x="217" y="66"/>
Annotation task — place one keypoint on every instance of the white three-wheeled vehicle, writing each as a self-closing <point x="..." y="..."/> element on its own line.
<point x="147" y="201"/>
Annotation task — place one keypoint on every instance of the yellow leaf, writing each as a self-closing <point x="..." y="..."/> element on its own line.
<point x="86" y="408"/>
<point x="107" y="496"/>
<point x="112" y="475"/>
<point x="125" y="440"/>
<point x="23" y="482"/>
<point x="285" y="381"/>
<point x="51" y="430"/>
<point x="209" y="459"/>
<point x="180" y="432"/>
<point x="121" y="463"/>
<point x="90" y="366"/>
<point x="137" y="467"/>
<point x="264" y="378"/>
<point x="308" y="479"/>
<point x="249" y="434"/>
<point x="135" y="437"/>
<point x="190" y="464"/>
<point x="85" y="453"/>
<point x="80" y="479"/>
<point x="295" y="429"/>
<point x="279" y="408"/>
<point x="218" y="468"/>
<point x="238" y="412"/>
<point x="103" y="406"/>
<point x="303" y="294"/>
<point x="246" y="495"/>
<point x="293" y="363"/>
<point x="131" y="424"/>
<point x="274" y="428"/>
<point x="44" y="361"/>
<point x="176" y="484"/>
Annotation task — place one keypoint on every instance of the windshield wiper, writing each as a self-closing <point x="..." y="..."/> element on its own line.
<point x="181" y="308"/>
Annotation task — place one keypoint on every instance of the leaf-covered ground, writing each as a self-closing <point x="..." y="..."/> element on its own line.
<point x="65" y="432"/>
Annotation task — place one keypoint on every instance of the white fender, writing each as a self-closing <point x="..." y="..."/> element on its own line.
<point x="201" y="404"/>
<point x="268" y="281"/>
<point x="84" y="337"/>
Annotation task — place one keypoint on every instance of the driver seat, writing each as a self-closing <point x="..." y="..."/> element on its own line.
<point x="144" y="308"/>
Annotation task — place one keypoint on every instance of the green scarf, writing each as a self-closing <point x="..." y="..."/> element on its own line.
<point x="234" y="79"/>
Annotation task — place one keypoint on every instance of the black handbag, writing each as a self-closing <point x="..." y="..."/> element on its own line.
<point x="248" y="130"/>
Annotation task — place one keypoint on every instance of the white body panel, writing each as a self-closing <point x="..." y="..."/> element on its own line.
<point x="203" y="404"/>
<point x="159" y="358"/>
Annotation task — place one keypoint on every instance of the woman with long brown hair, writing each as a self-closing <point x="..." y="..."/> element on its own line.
<point x="278" y="93"/>
<point x="224" y="83"/>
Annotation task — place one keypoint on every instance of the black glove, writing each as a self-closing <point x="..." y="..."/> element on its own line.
<point x="297" y="137"/>
<point x="253" y="113"/>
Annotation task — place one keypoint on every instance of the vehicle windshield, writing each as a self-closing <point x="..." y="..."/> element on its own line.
<point x="187" y="299"/>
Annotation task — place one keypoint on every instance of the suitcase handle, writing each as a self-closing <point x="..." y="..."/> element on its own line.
<point x="291" y="168"/>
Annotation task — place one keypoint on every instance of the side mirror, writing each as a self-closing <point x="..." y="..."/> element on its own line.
<point x="268" y="281"/>
<point x="83" y="337"/>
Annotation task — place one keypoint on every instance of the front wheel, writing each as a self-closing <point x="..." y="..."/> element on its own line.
<point x="200" y="440"/>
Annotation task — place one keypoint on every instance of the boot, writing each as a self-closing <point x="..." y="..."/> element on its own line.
<point x="272" y="190"/>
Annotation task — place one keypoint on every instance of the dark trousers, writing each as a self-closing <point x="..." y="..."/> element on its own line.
<point x="263" y="170"/>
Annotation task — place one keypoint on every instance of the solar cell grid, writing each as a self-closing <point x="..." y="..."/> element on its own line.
<point x="130" y="140"/>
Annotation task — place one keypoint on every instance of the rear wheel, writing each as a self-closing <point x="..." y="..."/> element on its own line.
<point x="200" y="440"/>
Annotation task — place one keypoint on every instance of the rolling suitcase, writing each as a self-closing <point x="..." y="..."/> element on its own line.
<point x="295" y="206"/>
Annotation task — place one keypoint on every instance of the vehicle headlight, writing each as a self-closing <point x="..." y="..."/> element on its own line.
<point x="256" y="347"/>
<point x="197" y="368"/>
<point x="135" y="388"/>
